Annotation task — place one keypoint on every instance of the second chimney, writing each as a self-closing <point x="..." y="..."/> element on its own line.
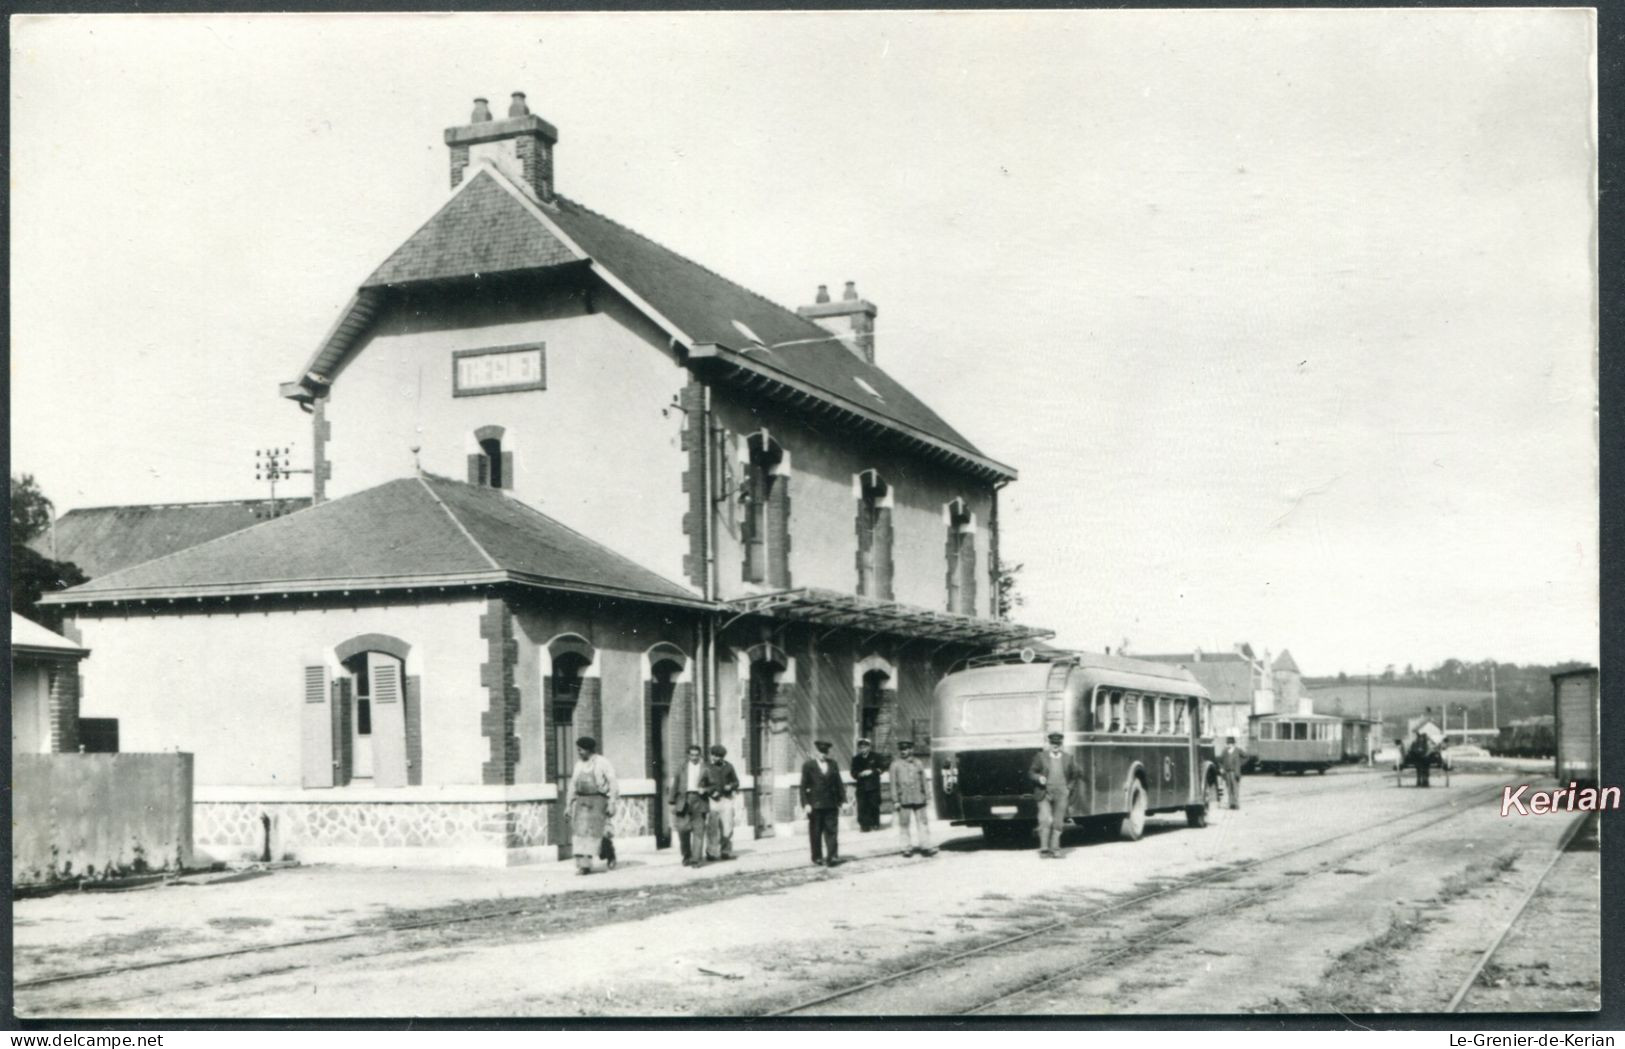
<point x="852" y="318"/>
<point x="521" y="146"/>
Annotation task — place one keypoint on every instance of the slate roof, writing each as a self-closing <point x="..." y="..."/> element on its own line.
<point x="1285" y="662"/>
<point x="493" y="224"/>
<point x="481" y="230"/>
<point x="405" y="534"/>
<point x="105" y="539"/>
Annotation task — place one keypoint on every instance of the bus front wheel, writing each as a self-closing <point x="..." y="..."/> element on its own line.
<point x="1133" y="826"/>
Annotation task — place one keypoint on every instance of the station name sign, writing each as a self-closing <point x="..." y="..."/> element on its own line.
<point x="499" y="369"/>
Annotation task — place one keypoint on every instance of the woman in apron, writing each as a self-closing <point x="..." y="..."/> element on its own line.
<point x="593" y="794"/>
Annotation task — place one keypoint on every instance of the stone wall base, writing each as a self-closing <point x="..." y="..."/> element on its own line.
<point x="406" y="833"/>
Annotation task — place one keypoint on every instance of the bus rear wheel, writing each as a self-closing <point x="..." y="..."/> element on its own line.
<point x="1132" y="828"/>
<point x="1196" y="815"/>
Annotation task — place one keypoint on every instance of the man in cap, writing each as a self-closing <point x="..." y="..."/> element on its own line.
<point x="720" y="782"/>
<point x="822" y="794"/>
<point x="1231" y="760"/>
<point x="1053" y="772"/>
<point x="689" y="807"/>
<point x="911" y="796"/>
<point x="866" y="769"/>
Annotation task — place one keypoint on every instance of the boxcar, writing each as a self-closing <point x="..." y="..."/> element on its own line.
<point x="1138" y="730"/>
<point x="1575" y="730"/>
<point x="1526" y="738"/>
<point x="1295" y="742"/>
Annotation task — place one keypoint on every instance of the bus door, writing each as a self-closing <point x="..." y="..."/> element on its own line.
<point x="1106" y="758"/>
<point x="1193" y="724"/>
<point x="1173" y="753"/>
<point x="1055" y="721"/>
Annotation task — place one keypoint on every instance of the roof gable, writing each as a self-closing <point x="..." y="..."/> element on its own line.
<point x="492" y="224"/>
<point x="483" y="228"/>
<point x="412" y="532"/>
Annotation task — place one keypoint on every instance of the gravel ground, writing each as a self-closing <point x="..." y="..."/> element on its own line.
<point x="655" y="939"/>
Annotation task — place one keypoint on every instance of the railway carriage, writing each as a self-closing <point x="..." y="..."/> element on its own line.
<point x="1295" y="742"/>
<point x="1356" y="740"/>
<point x="1138" y="730"/>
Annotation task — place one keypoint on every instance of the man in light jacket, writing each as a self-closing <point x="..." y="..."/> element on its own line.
<point x="911" y="801"/>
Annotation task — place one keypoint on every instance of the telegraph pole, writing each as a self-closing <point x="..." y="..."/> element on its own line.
<point x="271" y="464"/>
<point x="1495" y="721"/>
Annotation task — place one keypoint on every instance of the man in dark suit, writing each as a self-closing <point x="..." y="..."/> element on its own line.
<point x="822" y="794"/>
<point x="866" y="769"/>
<point x="1231" y="760"/>
<point x="720" y="782"/>
<point x="690" y="805"/>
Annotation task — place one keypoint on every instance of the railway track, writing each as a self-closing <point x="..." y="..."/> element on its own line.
<point x="1512" y="920"/>
<point x="1024" y="983"/>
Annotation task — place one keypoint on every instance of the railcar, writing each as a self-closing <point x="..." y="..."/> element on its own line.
<point x="1356" y="740"/>
<point x="1295" y="742"/>
<point x="1575" y="731"/>
<point x="1533" y="737"/>
<point x="1138" y="730"/>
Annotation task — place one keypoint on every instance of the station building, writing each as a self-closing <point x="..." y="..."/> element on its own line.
<point x="566" y="482"/>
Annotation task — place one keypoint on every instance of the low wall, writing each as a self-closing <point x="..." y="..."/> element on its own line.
<point x="99" y="815"/>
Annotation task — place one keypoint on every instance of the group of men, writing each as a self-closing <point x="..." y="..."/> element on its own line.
<point x="701" y="795"/>
<point x="823" y="792"/>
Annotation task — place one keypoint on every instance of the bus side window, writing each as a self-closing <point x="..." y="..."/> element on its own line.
<point x="1165" y="715"/>
<point x="1180" y="721"/>
<point x="1087" y="712"/>
<point x="1102" y="714"/>
<point x="1116" y="724"/>
<point x="1300" y="730"/>
<point x="1131" y="713"/>
<point x="1207" y="717"/>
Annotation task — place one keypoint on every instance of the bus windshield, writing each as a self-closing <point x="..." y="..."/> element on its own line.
<point x="1007" y="713"/>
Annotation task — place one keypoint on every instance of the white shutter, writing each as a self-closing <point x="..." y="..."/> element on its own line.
<point x="388" y="721"/>
<point x="316" y="724"/>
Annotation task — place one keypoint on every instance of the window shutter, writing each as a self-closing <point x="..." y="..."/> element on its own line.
<point x="343" y="733"/>
<point x="388" y="721"/>
<point x="883" y="556"/>
<point x="967" y="573"/>
<point x="316" y="729"/>
<point x="507" y="469"/>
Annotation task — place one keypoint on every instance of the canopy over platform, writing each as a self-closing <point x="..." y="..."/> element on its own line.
<point x="834" y="609"/>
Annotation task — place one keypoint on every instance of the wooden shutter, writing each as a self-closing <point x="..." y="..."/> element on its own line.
<point x="478" y="469"/>
<point x="507" y="469"/>
<point x="967" y="573"/>
<point x="388" y="721"/>
<point x="316" y="723"/>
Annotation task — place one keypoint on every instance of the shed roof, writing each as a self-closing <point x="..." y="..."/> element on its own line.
<point x="103" y="539"/>
<point x="28" y="637"/>
<point x="405" y="534"/>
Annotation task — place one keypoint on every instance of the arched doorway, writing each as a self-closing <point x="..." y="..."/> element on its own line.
<point x="565" y="687"/>
<point x="376" y="718"/>
<point x="666" y="714"/>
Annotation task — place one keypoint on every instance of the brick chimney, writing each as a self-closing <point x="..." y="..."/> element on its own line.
<point x="852" y="318"/>
<point x="522" y="145"/>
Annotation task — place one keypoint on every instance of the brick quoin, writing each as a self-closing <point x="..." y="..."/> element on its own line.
<point x="778" y="534"/>
<point x="692" y="399"/>
<point x="502" y="704"/>
<point x="64" y="708"/>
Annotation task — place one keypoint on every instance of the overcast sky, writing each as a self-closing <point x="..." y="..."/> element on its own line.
<point x="1287" y="318"/>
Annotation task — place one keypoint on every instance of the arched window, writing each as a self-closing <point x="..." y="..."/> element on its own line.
<point x="764" y="530"/>
<point x="961" y="555"/>
<point x="874" y="527"/>
<point x="491" y="466"/>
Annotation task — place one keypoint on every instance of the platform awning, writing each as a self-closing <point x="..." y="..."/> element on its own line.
<point x="833" y="609"/>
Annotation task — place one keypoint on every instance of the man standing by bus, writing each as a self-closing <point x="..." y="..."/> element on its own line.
<point x="1053" y="771"/>
<point x="911" y="797"/>
<point x="866" y="769"/>
<point x="1230" y="760"/>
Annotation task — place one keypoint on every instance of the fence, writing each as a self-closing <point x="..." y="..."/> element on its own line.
<point x="99" y="815"/>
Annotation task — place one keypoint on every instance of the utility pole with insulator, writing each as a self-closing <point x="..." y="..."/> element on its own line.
<point x="271" y="464"/>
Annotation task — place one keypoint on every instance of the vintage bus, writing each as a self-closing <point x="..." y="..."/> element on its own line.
<point x="1138" y="730"/>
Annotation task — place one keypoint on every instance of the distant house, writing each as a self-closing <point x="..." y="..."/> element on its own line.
<point x="104" y="539"/>
<point x="1240" y="682"/>
<point x="44" y="689"/>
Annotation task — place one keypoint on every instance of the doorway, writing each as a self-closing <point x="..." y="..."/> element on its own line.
<point x="764" y="688"/>
<point x="662" y="688"/>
